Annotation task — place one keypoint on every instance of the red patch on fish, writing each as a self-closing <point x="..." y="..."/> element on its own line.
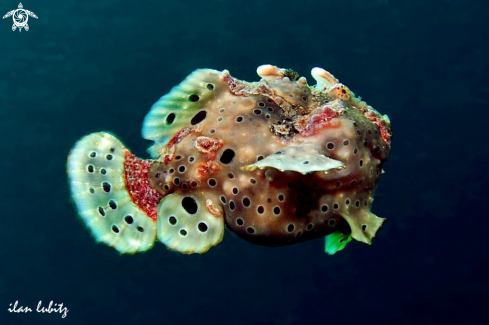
<point x="206" y="168"/>
<point x="318" y="121"/>
<point x="137" y="183"/>
<point x="208" y="146"/>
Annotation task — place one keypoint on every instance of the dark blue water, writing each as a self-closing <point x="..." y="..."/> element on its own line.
<point x="88" y="66"/>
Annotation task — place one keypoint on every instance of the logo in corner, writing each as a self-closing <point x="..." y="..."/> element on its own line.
<point x="20" y="17"/>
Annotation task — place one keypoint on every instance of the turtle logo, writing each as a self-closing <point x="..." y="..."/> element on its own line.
<point x="20" y="17"/>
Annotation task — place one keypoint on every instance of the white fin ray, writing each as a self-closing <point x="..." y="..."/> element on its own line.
<point x="304" y="158"/>
<point x="96" y="176"/>
<point x="174" y="111"/>
<point x="189" y="231"/>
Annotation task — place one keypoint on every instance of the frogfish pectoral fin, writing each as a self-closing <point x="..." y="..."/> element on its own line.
<point x="364" y="225"/>
<point x="304" y="158"/>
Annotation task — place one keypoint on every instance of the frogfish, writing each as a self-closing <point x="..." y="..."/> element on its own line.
<point x="276" y="162"/>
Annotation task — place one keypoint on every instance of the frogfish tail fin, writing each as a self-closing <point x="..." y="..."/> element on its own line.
<point x="97" y="178"/>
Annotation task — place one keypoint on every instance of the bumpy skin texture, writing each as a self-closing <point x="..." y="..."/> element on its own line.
<point x="275" y="161"/>
<point x="245" y="122"/>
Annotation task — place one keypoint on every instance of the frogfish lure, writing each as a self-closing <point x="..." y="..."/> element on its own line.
<point x="276" y="162"/>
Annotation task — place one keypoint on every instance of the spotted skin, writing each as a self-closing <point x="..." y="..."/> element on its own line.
<point x="276" y="161"/>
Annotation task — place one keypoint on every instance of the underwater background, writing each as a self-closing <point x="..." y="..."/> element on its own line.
<point x="87" y="66"/>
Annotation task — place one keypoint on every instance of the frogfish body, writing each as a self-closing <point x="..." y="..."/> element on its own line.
<point x="276" y="162"/>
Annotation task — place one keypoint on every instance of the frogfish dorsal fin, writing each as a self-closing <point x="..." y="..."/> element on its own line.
<point x="304" y="158"/>
<point x="96" y="176"/>
<point x="184" y="106"/>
